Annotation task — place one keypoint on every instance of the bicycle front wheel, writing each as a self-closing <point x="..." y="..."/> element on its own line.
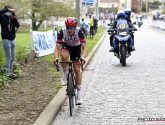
<point x="70" y="92"/>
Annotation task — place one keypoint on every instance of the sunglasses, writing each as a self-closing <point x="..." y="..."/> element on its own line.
<point x="70" y="27"/>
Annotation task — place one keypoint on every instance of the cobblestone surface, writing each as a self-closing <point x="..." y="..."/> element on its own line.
<point x="119" y="95"/>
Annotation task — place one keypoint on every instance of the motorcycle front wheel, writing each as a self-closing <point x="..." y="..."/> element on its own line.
<point x="123" y="53"/>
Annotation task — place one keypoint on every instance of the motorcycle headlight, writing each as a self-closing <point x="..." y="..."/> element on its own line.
<point x="123" y="33"/>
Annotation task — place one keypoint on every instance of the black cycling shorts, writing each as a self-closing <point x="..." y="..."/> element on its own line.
<point x="74" y="51"/>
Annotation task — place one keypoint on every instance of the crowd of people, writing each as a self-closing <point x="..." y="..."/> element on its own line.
<point x="158" y="16"/>
<point x="89" y="27"/>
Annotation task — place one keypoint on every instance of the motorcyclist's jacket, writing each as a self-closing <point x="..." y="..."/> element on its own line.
<point x="75" y="40"/>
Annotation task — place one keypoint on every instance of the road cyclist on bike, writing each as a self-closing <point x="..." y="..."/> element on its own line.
<point x="70" y="41"/>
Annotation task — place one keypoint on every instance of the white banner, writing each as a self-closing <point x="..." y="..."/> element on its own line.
<point x="44" y="42"/>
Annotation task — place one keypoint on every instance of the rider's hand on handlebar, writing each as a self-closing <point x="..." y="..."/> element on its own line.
<point x="82" y="60"/>
<point x="56" y="62"/>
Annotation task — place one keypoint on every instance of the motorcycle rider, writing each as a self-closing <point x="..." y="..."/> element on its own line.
<point x="124" y="15"/>
<point x="127" y="16"/>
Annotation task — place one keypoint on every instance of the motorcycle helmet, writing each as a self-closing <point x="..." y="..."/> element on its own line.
<point x="120" y="14"/>
<point x="127" y="13"/>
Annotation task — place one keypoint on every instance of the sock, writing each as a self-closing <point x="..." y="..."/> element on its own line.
<point x="65" y="71"/>
<point x="78" y="90"/>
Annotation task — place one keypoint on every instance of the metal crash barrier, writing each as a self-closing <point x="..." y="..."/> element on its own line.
<point x="159" y="24"/>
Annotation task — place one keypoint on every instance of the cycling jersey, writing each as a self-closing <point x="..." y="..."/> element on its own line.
<point x="75" y="40"/>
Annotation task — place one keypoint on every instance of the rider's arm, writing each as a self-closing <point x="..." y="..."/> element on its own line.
<point x="115" y="23"/>
<point x="130" y="23"/>
<point x="83" y="44"/>
<point x="4" y="10"/>
<point x="58" y="43"/>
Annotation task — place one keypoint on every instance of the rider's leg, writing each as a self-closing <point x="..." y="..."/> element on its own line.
<point x="78" y="77"/>
<point x="64" y="53"/>
<point x="116" y="46"/>
<point x="133" y="47"/>
<point x="75" y="55"/>
<point x="111" y="43"/>
<point x="78" y="81"/>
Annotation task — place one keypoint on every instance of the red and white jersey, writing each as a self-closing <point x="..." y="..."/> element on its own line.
<point x="75" y="40"/>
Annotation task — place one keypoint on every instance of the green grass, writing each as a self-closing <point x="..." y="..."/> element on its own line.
<point x="56" y="85"/>
<point x="92" y="42"/>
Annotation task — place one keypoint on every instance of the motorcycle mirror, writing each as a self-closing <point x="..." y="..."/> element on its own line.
<point x="134" y="23"/>
<point x="110" y="24"/>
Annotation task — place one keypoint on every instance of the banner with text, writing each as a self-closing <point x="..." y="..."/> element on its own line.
<point x="44" y="42"/>
<point x="88" y="3"/>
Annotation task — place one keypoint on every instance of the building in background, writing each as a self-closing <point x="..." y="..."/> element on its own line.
<point x="137" y="3"/>
<point x="108" y="3"/>
<point x="122" y="4"/>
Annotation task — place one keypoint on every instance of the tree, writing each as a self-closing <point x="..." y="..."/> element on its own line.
<point x="156" y="3"/>
<point x="164" y="9"/>
<point x="135" y="9"/>
<point x="40" y="10"/>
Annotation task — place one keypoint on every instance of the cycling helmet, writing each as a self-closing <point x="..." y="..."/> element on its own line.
<point x="127" y="13"/>
<point x="71" y="21"/>
<point x="120" y="14"/>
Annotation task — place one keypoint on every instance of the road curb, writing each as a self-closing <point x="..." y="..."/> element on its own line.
<point x="51" y="111"/>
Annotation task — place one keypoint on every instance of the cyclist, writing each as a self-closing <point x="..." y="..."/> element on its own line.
<point x="70" y="40"/>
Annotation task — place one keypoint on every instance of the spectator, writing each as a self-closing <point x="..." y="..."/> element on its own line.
<point x="154" y="17"/>
<point x="86" y="15"/>
<point x="95" y="26"/>
<point x="158" y="14"/>
<point x="91" y="22"/>
<point x="112" y="17"/>
<point x="9" y="25"/>
<point x="84" y="27"/>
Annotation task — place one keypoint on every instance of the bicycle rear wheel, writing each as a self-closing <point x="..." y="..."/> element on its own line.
<point x="70" y="92"/>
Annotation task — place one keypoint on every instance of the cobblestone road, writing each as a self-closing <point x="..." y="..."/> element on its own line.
<point x="119" y="95"/>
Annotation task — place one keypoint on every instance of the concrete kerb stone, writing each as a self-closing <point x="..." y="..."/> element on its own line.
<point x="51" y="111"/>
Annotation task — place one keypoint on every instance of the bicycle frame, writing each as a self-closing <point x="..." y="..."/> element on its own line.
<point x="70" y="83"/>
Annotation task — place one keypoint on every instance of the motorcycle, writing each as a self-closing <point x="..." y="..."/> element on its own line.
<point x="139" y="22"/>
<point x="124" y="41"/>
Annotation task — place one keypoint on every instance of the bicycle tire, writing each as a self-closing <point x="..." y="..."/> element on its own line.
<point x="70" y="92"/>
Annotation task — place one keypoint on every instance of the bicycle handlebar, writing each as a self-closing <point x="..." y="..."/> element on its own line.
<point x="68" y="62"/>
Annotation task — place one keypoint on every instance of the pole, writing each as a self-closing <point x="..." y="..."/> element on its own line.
<point x="125" y="4"/>
<point x="97" y="14"/>
<point x="146" y="6"/>
<point x="77" y="11"/>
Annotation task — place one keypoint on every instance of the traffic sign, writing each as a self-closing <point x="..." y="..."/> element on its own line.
<point x="88" y="3"/>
